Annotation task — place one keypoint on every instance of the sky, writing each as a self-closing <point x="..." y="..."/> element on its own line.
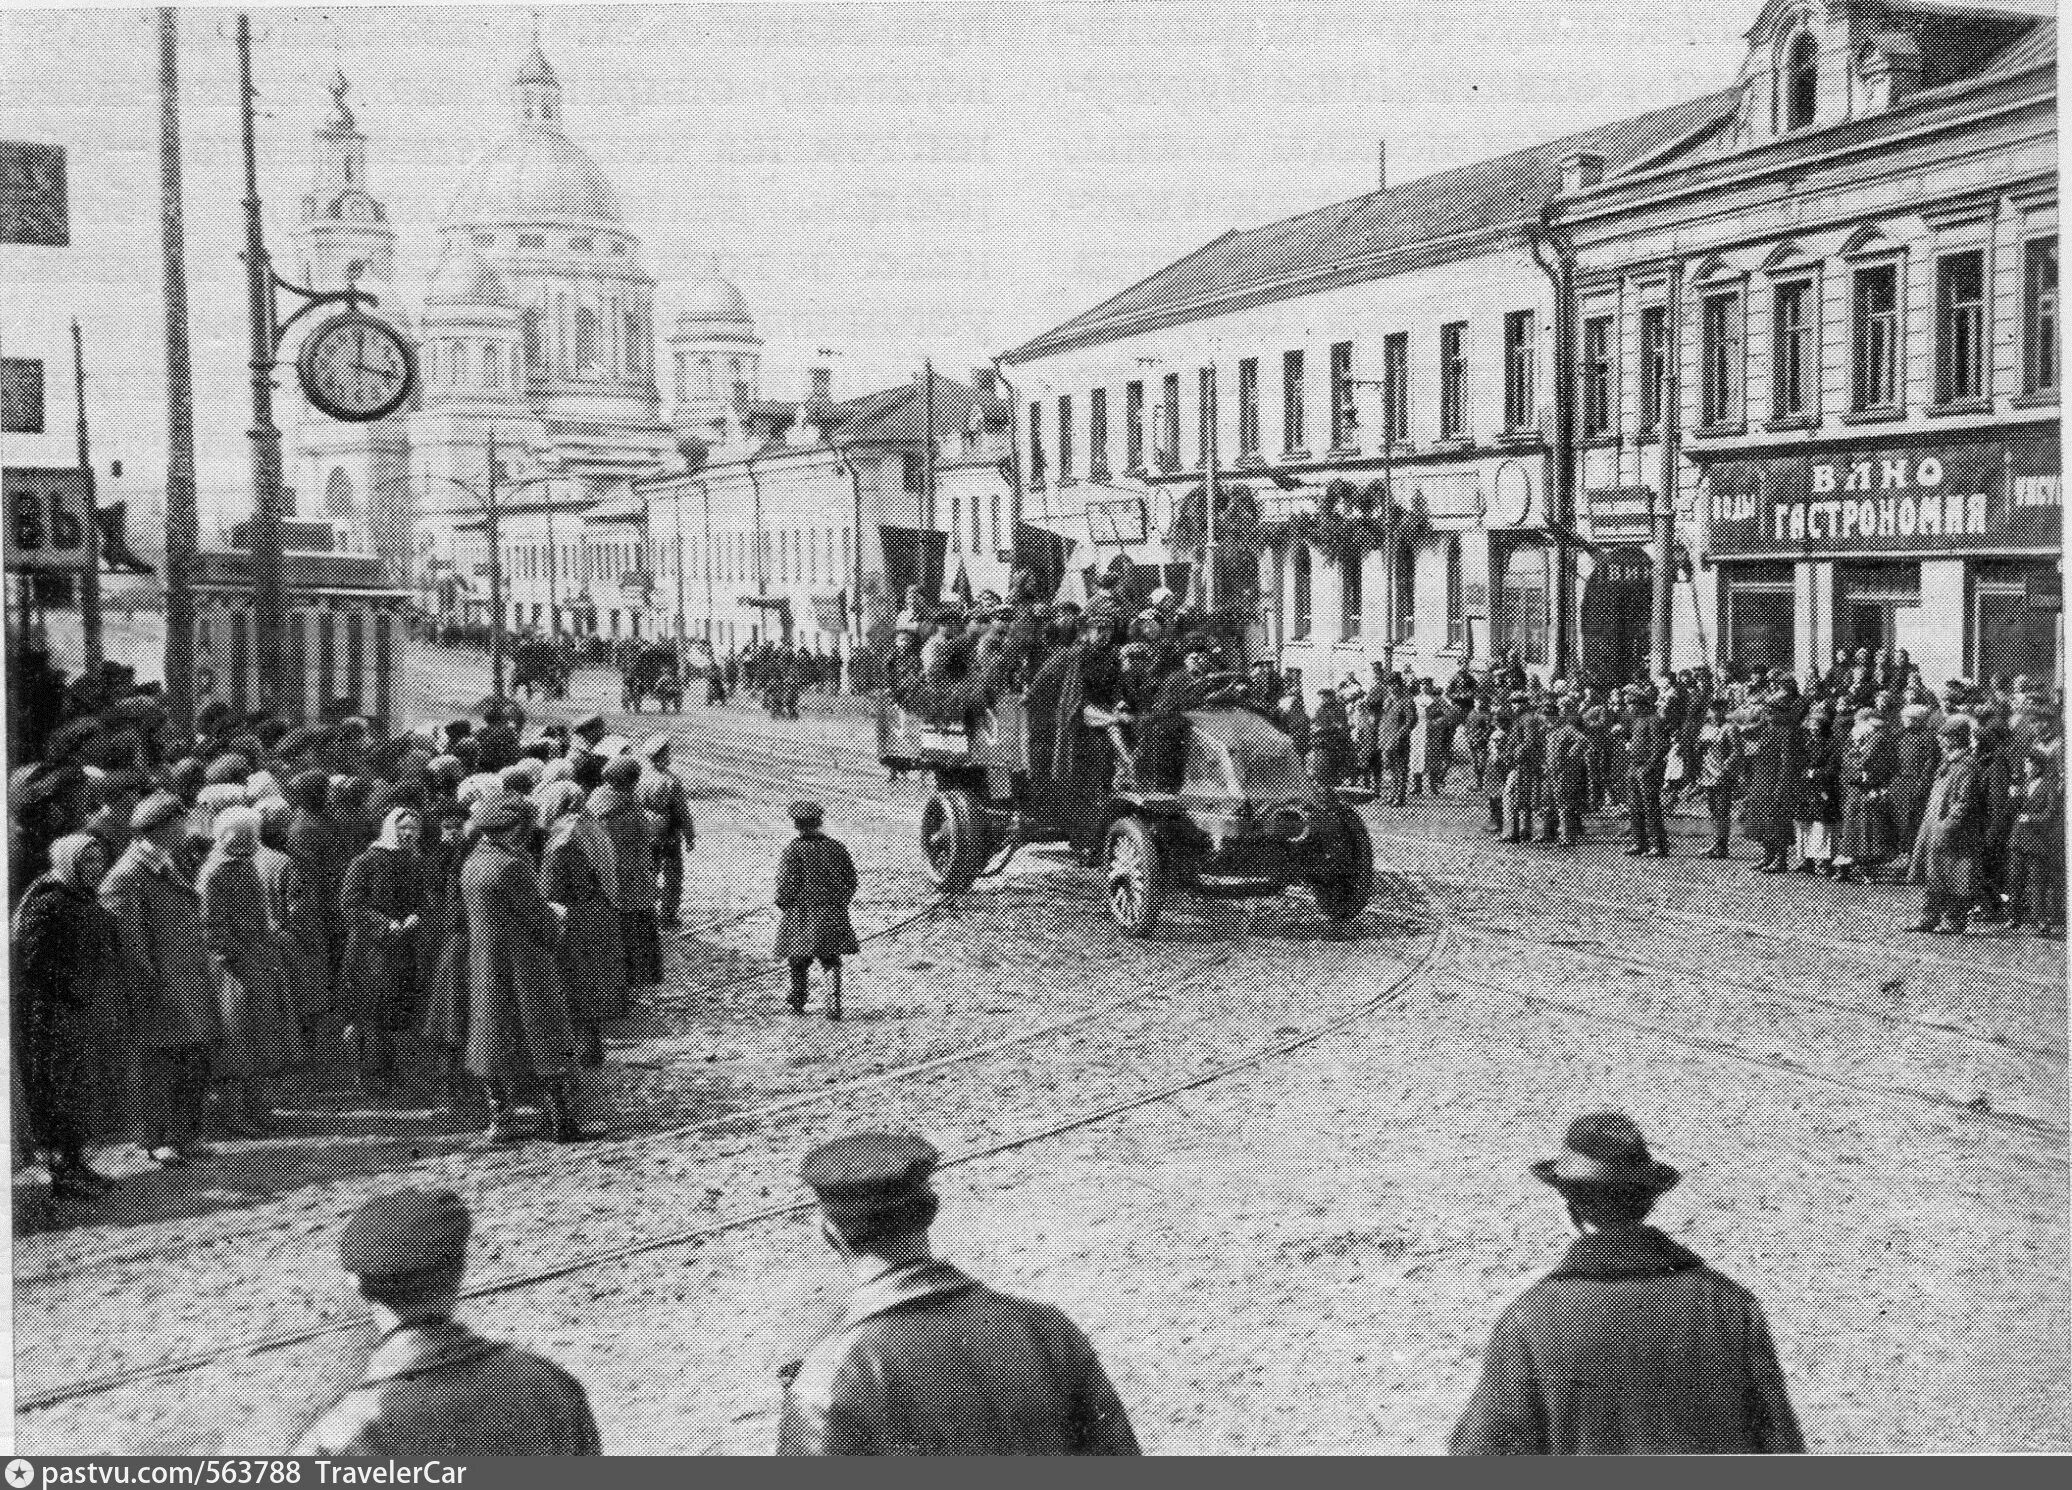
<point x="888" y="182"/>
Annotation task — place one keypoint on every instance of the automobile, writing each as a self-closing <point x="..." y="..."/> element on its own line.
<point x="1248" y="819"/>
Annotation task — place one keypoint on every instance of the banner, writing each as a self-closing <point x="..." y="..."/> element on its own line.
<point x="1044" y="554"/>
<point x="913" y="557"/>
<point x="1981" y="497"/>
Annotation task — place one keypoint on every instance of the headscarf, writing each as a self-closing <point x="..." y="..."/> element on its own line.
<point x="555" y="800"/>
<point x="236" y="831"/>
<point x="273" y="821"/>
<point x="390" y="822"/>
<point x="560" y="769"/>
<point x="65" y="855"/>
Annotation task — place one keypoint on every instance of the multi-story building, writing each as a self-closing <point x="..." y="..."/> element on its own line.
<point x="1853" y="270"/>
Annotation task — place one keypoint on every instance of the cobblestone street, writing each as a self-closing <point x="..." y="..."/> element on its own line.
<point x="1299" y="1252"/>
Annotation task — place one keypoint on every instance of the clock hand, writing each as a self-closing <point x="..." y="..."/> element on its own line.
<point x="380" y="372"/>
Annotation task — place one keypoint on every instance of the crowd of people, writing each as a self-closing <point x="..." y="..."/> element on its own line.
<point x="456" y="911"/>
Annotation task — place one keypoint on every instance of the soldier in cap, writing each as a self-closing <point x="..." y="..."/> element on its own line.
<point x="924" y="1359"/>
<point x="1632" y="1345"/>
<point x="432" y="1385"/>
<point x="816" y="880"/>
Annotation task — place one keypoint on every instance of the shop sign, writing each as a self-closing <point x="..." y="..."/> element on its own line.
<point x="1982" y="497"/>
<point x="1621" y="514"/>
<point x="33" y="208"/>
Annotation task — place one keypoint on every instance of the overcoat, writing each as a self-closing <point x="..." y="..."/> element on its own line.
<point x="593" y="964"/>
<point x="440" y="1388"/>
<point x="1867" y="770"/>
<point x="1772" y="762"/>
<point x="383" y="888"/>
<point x="668" y="810"/>
<point x="298" y="931"/>
<point x="1568" y="761"/>
<point x="317" y="844"/>
<point x="2039" y="822"/>
<point x="70" y="996"/>
<point x="636" y="893"/>
<point x="1916" y="757"/>
<point x="158" y="912"/>
<point x="816" y="880"/>
<point x="1631" y="1346"/>
<point x="927" y="1361"/>
<point x="1952" y="827"/>
<point x="518" y="1025"/>
<point x="262" y="1028"/>
<point x="443" y="953"/>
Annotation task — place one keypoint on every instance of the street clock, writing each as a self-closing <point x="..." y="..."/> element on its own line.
<point x="356" y="368"/>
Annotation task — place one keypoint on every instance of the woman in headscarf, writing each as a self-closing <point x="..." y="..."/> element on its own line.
<point x="578" y="867"/>
<point x="616" y="807"/>
<point x="291" y="906"/>
<point x="1869" y="762"/>
<point x="70" y="990"/>
<point x="384" y="902"/>
<point x="442" y="952"/>
<point x="261" y="1026"/>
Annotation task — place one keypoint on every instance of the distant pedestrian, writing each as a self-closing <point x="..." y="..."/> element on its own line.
<point x="1946" y="855"/>
<point x="433" y="1386"/>
<point x="1719" y="752"/>
<point x="816" y="880"/>
<point x="670" y="829"/>
<point x="925" y="1360"/>
<point x="2036" y="847"/>
<point x="384" y="905"/>
<point x="578" y="868"/>
<point x="616" y="807"/>
<point x="1647" y="756"/>
<point x="1632" y="1345"/>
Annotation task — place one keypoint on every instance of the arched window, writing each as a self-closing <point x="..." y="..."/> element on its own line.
<point x="492" y="365"/>
<point x="1299" y="593"/>
<point x="706" y="376"/>
<point x="338" y="494"/>
<point x="535" y="355"/>
<point x="636" y="346"/>
<point x="1404" y="586"/>
<point x="586" y="340"/>
<point x="683" y="376"/>
<point x="455" y="368"/>
<point x="1801" y="80"/>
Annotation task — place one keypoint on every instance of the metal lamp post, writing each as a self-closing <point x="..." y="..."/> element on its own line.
<point x="487" y="499"/>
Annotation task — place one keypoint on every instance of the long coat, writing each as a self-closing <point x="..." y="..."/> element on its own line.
<point x="1772" y="761"/>
<point x="636" y="893"/>
<point x="262" y="1028"/>
<point x="158" y="911"/>
<point x="298" y="931"/>
<point x="1867" y="770"/>
<point x="383" y="888"/>
<point x="71" y="993"/>
<point x="1631" y="1346"/>
<point x="440" y="1388"/>
<point x="1816" y="786"/>
<point x="319" y="846"/>
<point x="1916" y="756"/>
<point x="816" y="880"/>
<point x="518" y="1025"/>
<point x="593" y="963"/>
<point x="442" y="947"/>
<point x="927" y="1361"/>
<point x="1946" y="854"/>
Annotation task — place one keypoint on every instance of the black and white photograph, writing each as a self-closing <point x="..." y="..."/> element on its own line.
<point x="1034" y="727"/>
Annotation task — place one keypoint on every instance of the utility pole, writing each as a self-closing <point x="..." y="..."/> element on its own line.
<point x="1665" y="510"/>
<point x="269" y="602"/>
<point x="90" y="579"/>
<point x="928" y="449"/>
<point x="1209" y="416"/>
<point x="496" y="576"/>
<point x="182" y="518"/>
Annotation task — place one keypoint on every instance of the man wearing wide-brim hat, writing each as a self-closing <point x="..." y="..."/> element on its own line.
<point x="924" y="1359"/>
<point x="1632" y="1345"/>
<point x="433" y="1386"/>
<point x="816" y="881"/>
<point x="1952" y="833"/>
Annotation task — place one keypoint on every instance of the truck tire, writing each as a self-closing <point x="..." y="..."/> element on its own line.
<point x="1346" y="890"/>
<point x="1137" y="877"/>
<point x="953" y="840"/>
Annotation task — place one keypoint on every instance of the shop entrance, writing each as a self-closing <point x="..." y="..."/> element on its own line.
<point x="1866" y="595"/>
<point x="2013" y="637"/>
<point x="1615" y="619"/>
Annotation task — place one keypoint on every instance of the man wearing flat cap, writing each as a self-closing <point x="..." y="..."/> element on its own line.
<point x="816" y="880"/>
<point x="1632" y="1345"/>
<point x="432" y="1385"/>
<point x="924" y="1359"/>
<point x="1953" y="826"/>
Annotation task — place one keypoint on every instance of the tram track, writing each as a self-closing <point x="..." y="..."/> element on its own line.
<point x="991" y="1125"/>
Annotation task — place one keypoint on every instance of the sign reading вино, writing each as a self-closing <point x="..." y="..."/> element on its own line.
<point x="1984" y="496"/>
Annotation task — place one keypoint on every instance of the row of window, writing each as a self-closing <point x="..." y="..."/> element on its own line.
<point x="1001" y="516"/>
<point x="1399" y="620"/>
<point x="1158" y="426"/>
<point x="1877" y="369"/>
<point x="457" y="363"/>
<point x="707" y="381"/>
<point x="582" y="243"/>
<point x="590" y="346"/>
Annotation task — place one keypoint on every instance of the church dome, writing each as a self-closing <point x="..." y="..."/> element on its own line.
<point x="465" y="278"/>
<point x="714" y="298"/>
<point x="537" y="175"/>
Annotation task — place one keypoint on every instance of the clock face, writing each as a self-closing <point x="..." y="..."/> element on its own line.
<point x="356" y="368"/>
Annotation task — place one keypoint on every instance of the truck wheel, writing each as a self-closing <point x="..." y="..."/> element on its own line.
<point x="1345" y="891"/>
<point x="953" y="840"/>
<point x="1136" y="877"/>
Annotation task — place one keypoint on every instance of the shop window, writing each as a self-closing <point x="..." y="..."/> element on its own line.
<point x="1248" y="407"/>
<point x="1596" y="375"/>
<point x="1097" y="434"/>
<point x="1133" y="424"/>
<point x="1520" y="623"/>
<point x="1866" y="599"/>
<point x="1654" y="366"/>
<point x="1344" y="418"/>
<point x="2040" y="350"/>
<point x="1720" y="349"/>
<point x="1960" y="327"/>
<point x="1353" y="590"/>
<point x="1876" y="335"/>
<point x="1294" y="431"/>
<point x="1395" y="387"/>
<point x="1453" y="380"/>
<point x="2010" y="638"/>
<point x="1519" y="411"/>
<point x="1065" y="454"/>
<point x="1792" y="350"/>
<point x="1801" y="81"/>
<point x="1456" y="609"/>
<point x="1299" y="597"/>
